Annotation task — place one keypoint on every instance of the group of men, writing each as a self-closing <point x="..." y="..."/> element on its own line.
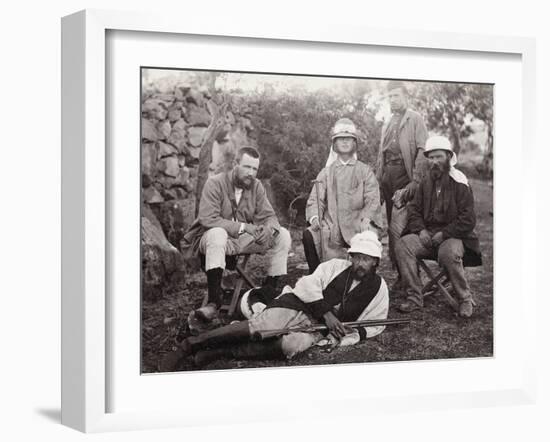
<point x="429" y="211"/>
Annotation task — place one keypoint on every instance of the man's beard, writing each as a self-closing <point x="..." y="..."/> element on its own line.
<point x="438" y="170"/>
<point x="245" y="183"/>
<point x="362" y="273"/>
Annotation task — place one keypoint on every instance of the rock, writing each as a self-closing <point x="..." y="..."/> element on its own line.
<point x="195" y="152"/>
<point x="197" y="116"/>
<point x="166" y="182"/>
<point x="169" y="194"/>
<point x="196" y="135"/>
<point x="153" y="108"/>
<point x="148" y="131"/>
<point x="194" y="96"/>
<point x="161" y="262"/>
<point x="180" y="126"/>
<point x="178" y="137"/>
<point x="166" y="150"/>
<point x="175" y="217"/>
<point x="174" y="115"/>
<point x="180" y="92"/>
<point x="164" y="128"/>
<point x="181" y="161"/>
<point x="149" y="159"/>
<point x="205" y="92"/>
<point x="146" y="180"/>
<point x="169" y="166"/>
<point x="150" y="195"/>
<point x="165" y="99"/>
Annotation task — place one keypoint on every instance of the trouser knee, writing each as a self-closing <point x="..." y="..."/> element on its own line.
<point x="449" y="255"/>
<point x="284" y="241"/>
<point x="215" y="237"/>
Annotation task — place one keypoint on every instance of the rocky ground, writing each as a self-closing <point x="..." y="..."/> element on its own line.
<point x="434" y="333"/>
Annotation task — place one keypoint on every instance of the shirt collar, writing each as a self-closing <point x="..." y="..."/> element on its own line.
<point x="349" y="162"/>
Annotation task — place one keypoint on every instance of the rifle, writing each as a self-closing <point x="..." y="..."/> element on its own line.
<point x="266" y="334"/>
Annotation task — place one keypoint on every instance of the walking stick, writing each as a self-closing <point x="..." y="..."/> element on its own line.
<point x="322" y="252"/>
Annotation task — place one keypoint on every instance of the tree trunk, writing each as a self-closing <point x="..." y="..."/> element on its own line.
<point x="205" y="157"/>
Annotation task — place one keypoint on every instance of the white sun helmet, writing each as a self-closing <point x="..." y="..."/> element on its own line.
<point x="366" y="243"/>
<point x="439" y="142"/>
<point x="249" y="310"/>
<point x="344" y="127"/>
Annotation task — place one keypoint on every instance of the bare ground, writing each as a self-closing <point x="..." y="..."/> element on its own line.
<point x="434" y="333"/>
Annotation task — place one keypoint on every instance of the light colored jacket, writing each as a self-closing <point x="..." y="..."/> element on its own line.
<point x="412" y="140"/>
<point x="348" y="210"/>
<point x="218" y="208"/>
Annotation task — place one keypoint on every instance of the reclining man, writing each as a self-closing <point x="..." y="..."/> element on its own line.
<point x="441" y="224"/>
<point x="235" y="217"/>
<point x="338" y="291"/>
<point x="349" y="199"/>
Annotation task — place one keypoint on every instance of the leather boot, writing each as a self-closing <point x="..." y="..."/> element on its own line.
<point x="209" y="312"/>
<point x="269" y="349"/>
<point x="310" y="251"/>
<point x="228" y="334"/>
<point x="251" y="350"/>
<point x="214" y="281"/>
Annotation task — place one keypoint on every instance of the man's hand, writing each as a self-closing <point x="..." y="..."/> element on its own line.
<point x="410" y="190"/>
<point x="437" y="239"/>
<point x="425" y="239"/>
<point x="334" y="325"/>
<point x="315" y="225"/>
<point x="251" y="229"/>
<point x="398" y="198"/>
<point x="263" y="235"/>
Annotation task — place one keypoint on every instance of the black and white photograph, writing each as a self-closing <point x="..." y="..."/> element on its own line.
<point x="293" y="220"/>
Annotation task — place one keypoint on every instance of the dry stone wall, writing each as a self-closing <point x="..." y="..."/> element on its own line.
<point x="174" y="122"/>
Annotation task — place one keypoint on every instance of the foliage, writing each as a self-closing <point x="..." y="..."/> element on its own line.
<point x="293" y="135"/>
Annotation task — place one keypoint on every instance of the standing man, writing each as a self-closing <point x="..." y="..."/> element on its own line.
<point x="400" y="163"/>
<point x="338" y="291"/>
<point x="441" y="224"/>
<point x="236" y="217"/>
<point x="348" y="200"/>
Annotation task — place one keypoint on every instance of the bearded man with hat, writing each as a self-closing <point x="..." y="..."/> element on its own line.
<point x="400" y="164"/>
<point x="344" y="201"/>
<point x="440" y="225"/>
<point x="338" y="291"/>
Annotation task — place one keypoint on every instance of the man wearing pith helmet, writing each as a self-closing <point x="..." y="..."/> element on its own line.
<point x="348" y="201"/>
<point x="400" y="163"/>
<point x="440" y="225"/>
<point x="339" y="291"/>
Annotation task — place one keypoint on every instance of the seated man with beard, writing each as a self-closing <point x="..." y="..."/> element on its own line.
<point x="440" y="225"/>
<point x="236" y="217"/>
<point x="337" y="291"/>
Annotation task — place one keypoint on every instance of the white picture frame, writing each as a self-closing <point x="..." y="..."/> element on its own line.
<point x="85" y="216"/>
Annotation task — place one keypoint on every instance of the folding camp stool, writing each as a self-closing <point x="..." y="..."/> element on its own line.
<point x="439" y="281"/>
<point x="232" y="263"/>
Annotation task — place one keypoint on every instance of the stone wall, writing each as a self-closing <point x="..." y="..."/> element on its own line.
<point x="174" y="120"/>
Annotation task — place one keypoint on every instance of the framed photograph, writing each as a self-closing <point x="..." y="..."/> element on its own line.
<point x="168" y="127"/>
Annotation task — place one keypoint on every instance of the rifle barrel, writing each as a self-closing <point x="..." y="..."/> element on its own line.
<point x="266" y="334"/>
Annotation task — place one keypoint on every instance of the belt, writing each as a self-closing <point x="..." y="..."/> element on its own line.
<point x="395" y="162"/>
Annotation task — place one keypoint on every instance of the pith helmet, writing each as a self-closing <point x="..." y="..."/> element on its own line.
<point x="250" y="309"/>
<point x="439" y="142"/>
<point x="344" y="127"/>
<point x="366" y="243"/>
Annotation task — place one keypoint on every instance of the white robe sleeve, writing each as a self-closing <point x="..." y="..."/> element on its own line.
<point x="377" y="309"/>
